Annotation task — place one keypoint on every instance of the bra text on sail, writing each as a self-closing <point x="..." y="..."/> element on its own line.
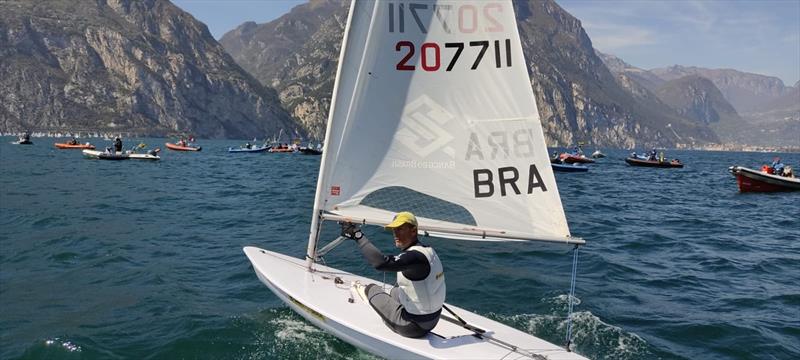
<point x="506" y="177"/>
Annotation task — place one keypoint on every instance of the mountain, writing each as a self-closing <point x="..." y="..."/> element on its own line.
<point x="297" y="54"/>
<point x="745" y="91"/>
<point x="773" y="110"/>
<point x="697" y="98"/>
<point x="578" y="98"/>
<point x="140" y="66"/>
<point x="641" y="77"/>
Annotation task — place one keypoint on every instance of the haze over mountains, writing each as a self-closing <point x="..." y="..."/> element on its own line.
<point x="148" y="67"/>
<point x="742" y="108"/>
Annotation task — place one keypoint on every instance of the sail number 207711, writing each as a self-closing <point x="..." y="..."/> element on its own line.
<point x="451" y="18"/>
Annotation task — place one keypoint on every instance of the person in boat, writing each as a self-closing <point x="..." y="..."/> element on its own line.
<point x="777" y="166"/>
<point x="652" y="155"/>
<point x="74" y="141"/>
<point x="248" y="145"/>
<point x="26" y="137"/>
<point x="117" y="144"/>
<point x="412" y="308"/>
<point x="555" y="159"/>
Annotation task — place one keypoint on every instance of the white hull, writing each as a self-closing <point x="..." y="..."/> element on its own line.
<point x="143" y="157"/>
<point x="96" y="154"/>
<point x="319" y="299"/>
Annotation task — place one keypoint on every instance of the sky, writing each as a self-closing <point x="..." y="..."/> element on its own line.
<point x="222" y="16"/>
<point x="758" y="36"/>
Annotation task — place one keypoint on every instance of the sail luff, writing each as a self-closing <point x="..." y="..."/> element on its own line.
<point x="359" y="70"/>
<point x="326" y="155"/>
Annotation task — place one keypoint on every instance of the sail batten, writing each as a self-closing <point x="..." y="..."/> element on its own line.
<point x="434" y="113"/>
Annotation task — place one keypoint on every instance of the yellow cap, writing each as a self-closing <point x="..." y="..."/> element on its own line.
<point x="401" y="218"/>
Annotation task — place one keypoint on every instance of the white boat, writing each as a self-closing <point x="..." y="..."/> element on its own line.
<point x="422" y="121"/>
<point x="136" y="156"/>
<point x="105" y="155"/>
<point x="597" y="154"/>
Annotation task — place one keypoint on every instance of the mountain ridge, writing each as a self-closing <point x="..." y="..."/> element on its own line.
<point x="145" y="67"/>
<point x="578" y="97"/>
<point x="774" y="115"/>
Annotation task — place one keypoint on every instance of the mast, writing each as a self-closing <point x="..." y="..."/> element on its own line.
<point x="316" y="214"/>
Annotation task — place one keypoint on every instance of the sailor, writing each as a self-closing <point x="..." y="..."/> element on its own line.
<point x="777" y="166"/>
<point x="412" y="308"/>
<point x="117" y="144"/>
<point x="248" y="145"/>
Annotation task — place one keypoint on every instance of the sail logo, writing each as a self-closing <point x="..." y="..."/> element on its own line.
<point x="423" y="131"/>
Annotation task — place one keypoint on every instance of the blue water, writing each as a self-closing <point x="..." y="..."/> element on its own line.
<point x="133" y="260"/>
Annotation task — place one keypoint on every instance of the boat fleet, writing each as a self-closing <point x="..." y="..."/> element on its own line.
<point x="140" y="152"/>
<point x="575" y="160"/>
<point x="776" y="177"/>
<point x="769" y="178"/>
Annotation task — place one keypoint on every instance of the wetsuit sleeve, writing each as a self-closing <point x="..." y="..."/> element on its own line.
<point x="413" y="264"/>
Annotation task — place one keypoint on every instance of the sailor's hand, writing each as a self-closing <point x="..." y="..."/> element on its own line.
<point x="351" y="231"/>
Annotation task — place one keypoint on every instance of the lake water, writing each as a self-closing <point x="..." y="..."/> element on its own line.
<point x="133" y="260"/>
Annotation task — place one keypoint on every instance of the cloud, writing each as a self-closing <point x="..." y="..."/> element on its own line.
<point x="611" y="37"/>
<point x="792" y="39"/>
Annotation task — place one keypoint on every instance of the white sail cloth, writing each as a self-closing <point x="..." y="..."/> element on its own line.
<point x="433" y="113"/>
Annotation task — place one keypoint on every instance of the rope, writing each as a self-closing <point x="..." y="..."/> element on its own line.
<point x="572" y="296"/>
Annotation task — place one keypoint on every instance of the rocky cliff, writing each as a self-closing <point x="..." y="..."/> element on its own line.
<point x="141" y="66"/>
<point x="696" y="98"/>
<point x="633" y="77"/>
<point x="578" y="98"/>
<point x="745" y="91"/>
<point x="773" y="110"/>
<point x="297" y="54"/>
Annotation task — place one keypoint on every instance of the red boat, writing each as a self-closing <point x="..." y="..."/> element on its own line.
<point x="177" y="147"/>
<point x="575" y="158"/>
<point x="74" y="146"/>
<point x="281" y="149"/>
<point x="751" y="180"/>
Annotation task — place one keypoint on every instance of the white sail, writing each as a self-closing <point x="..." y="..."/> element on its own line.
<point x="433" y="113"/>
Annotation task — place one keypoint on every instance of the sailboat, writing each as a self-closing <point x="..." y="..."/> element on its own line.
<point x="433" y="113"/>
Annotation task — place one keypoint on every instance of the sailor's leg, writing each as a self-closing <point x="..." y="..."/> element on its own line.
<point x="391" y="311"/>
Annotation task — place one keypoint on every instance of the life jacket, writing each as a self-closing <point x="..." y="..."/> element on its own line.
<point x="425" y="296"/>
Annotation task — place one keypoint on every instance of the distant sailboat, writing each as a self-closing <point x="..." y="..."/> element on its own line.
<point x="432" y="112"/>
